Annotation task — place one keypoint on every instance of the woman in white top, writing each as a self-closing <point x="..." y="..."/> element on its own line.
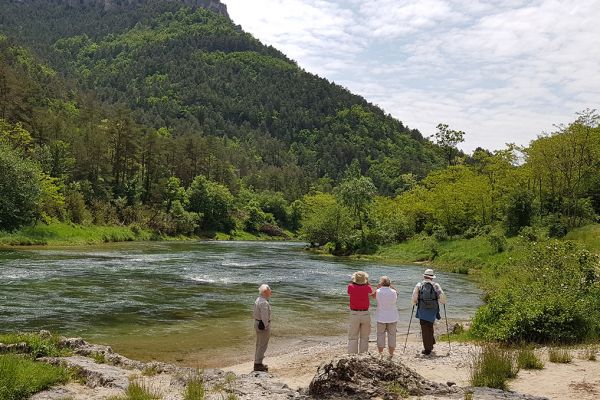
<point x="386" y="315"/>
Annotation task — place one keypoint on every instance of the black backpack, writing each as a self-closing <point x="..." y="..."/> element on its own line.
<point x="428" y="298"/>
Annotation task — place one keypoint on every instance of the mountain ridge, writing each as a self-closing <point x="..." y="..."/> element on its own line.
<point x="212" y="5"/>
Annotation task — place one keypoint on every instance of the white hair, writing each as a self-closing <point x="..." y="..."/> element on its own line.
<point x="263" y="288"/>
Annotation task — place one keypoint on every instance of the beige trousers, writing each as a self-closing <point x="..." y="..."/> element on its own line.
<point x="390" y="329"/>
<point x="360" y="328"/>
<point x="262" y="341"/>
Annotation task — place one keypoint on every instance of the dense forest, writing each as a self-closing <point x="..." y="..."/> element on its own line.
<point x="173" y="120"/>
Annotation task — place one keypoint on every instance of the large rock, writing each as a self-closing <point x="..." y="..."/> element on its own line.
<point x="366" y="376"/>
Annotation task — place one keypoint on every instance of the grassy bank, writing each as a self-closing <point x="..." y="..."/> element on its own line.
<point x="473" y="255"/>
<point x="65" y="234"/>
<point x="59" y="234"/>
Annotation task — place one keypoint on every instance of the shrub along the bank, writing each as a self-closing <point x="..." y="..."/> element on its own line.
<point x="553" y="297"/>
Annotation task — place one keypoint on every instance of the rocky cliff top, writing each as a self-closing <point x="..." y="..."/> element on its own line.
<point x="213" y="5"/>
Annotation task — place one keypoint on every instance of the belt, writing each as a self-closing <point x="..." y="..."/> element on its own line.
<point x="355" y="309"/>
<point x="260" y="320"/>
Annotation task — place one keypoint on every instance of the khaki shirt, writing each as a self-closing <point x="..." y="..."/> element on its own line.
<point x="262" y="311"/>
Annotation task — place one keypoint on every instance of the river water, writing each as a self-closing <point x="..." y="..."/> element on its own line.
<point x="191" y="302"/>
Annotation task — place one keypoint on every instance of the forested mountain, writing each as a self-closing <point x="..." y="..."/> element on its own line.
<point x="119" y="107"/>
<point x="193" y="72"/>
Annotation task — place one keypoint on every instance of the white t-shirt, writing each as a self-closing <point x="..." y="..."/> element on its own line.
<point x="386" y="305"/>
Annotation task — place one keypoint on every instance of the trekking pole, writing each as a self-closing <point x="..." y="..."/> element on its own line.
<point x="407" y="333"/>
<point x="447" y="330"/>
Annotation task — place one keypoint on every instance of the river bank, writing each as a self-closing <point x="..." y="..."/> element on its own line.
<point x="67" y="234"/>
<point x="101" y="373"/>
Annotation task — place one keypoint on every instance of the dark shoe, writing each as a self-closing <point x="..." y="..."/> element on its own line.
<point x="261" y="367"/>
<point x="426" y="352"/>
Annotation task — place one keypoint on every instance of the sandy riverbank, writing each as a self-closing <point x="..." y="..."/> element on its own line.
<point x="579" y="380"/>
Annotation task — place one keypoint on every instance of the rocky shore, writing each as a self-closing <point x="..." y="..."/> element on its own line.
<point x="103" y="373"/>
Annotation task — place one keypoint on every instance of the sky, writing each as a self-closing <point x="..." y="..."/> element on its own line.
<point x="502" y="71"/>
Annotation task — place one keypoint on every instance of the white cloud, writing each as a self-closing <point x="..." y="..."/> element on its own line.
<point x="501" y="70"/>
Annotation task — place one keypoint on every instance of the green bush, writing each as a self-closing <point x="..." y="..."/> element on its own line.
<point x="497" y="241"/>
<point x="553" y="297"/>
<point x="21" y="377"/>
<point x="493" y="367"/>
<point x="529" y="234"/>
<point x="556" y="227"/>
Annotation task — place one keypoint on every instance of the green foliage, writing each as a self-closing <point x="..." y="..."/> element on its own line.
<point x="58" y="233"/>
<point x="357" y="194"/>
<point x="194" y="390"/>
<point x="21" y="377"/>
<point x="448" y="139"/>
<point x="553" y="296"/>
<point x="138" y="391"/>
<point x="559" y="355"/>
<point x="397" y="390"/>
<point x="20" y="189"/>
<point x="40" y="346"/>
<point x="98" y="357"/>
<point x="556" y="227"/>
<point x="527" y="359"/>
<point x="519" y="211"/>
<point x="493" y="367"/>
<point x="497" y="242"/>
<point x="213" y="202"/>
<point x="325" y="220"/>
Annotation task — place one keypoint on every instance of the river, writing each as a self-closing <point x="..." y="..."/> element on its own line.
<point x="191" y="302"/>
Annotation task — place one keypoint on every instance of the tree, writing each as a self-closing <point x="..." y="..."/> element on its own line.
<point x="448" y="139"/>
<point x="213" y="202"/>
<point x="20" y="189"/>
<point x="357" y="194"/>
<point x="325" y="220"/>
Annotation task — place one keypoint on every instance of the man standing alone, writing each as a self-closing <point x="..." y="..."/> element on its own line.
<point x="428" y="295"/>
<point x="262" y="326"/>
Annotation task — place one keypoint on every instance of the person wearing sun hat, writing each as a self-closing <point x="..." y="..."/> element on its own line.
<point x="427" y="296"/>
<point x="359" y="329"/>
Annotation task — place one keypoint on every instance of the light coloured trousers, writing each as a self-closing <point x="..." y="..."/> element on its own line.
<point x="390" y="329"/>
<point x="360" y="328"/>
<point x="262" y="341"/>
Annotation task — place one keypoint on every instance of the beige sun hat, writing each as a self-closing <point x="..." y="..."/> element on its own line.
<point x="360" y="277"/>
<point x="429" y="273"/>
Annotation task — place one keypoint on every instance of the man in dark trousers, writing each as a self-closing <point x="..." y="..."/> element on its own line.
<point x="428" y="295"/>
<point x="262" y="326"/>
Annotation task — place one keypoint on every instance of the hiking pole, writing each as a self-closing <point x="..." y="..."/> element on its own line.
<point x="407" y="333"/>
<point x="447" y="330"/>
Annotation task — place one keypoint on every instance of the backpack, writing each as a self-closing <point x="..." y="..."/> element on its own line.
<point x="428" y="298"/>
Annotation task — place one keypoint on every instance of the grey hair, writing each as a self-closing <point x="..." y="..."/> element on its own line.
<point x="385" y="281"/>
<point x="263" y="288"/>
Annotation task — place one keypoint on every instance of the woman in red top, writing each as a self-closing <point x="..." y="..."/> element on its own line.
<point x="359" y="291"/>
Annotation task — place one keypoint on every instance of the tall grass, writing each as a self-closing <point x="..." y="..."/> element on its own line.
<point x="588" y="235"/>
<point x="493" y="367"/>
<point x="138" y="391"/>
<point x="21" y="377"/>
<point x="195" y="389"/>
<point x="527" y="359"/>
<point x="39" y="346"/>
<point x="560" y="356"/>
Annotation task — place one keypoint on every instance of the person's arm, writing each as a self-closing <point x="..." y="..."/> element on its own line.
<point x="440" y="293"/>
<point x="415" y="294"/>
<point x="373" y="293"/>
<point x="264" y="314"/>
